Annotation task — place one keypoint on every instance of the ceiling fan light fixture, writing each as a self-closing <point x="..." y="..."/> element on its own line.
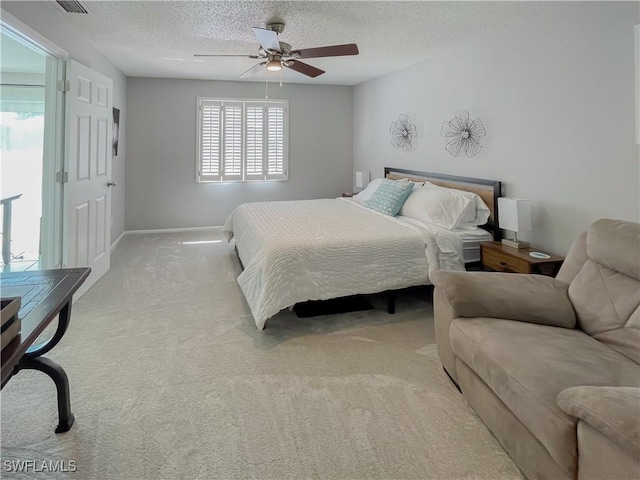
<point x="274" y="65"/>
<point x="275" y="55"/>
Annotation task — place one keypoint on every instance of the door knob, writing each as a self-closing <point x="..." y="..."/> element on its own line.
<point x="111" y="184"/>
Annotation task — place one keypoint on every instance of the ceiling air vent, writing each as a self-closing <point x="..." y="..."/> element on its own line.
<point x="72" y="6"/>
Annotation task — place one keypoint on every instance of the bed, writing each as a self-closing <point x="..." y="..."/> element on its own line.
<point x="295" y="251"/>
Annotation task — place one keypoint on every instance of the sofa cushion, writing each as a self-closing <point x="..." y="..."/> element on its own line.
<point x="624" y="340"/>
<point x="527" y="365"/>
<point x="525" y="449"/>
<point x="602" y="298"/>
<point x="605" y="291"/>
<point x="616" y="245"/>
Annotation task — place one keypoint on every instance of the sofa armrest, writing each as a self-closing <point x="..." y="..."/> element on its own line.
<point x="612" y="411"/>
<point x="526" y="298"/>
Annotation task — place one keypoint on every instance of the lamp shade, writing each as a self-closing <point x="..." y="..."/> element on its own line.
<point x="514" y="214"/>
<point x="362" y="179"/>
<point x="274" y="66"/>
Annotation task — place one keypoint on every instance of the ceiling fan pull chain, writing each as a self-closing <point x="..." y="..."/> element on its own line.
<point x="280" y="77"/>
<point x="266" y="84"/>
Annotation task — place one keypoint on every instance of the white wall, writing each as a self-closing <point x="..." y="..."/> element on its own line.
<point x="49" y="22"/>
<point x="557" y="101"/>
<point x="161" y="146"/>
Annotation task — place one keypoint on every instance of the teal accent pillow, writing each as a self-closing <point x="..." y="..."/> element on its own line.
<point x="389" y="197"/>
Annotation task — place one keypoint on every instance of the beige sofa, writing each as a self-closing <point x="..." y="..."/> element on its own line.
<point x="552" y="366"/>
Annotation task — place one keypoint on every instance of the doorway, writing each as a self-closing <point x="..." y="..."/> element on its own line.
<point x="30" y="197"/>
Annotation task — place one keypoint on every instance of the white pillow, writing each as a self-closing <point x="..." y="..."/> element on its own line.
<point x="415" y="184"/>
<point x="472" y="218"/>
<point x="444" y="207"/>
<point x="370" y="189"/>
<point x="365" y="194"/>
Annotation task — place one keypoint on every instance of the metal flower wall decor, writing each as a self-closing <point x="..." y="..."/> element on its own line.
<point x="402" y="133"/>
<point x="463" y="134"/>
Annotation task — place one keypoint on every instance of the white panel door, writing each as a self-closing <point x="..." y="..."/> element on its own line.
<point x="87" y="192"/>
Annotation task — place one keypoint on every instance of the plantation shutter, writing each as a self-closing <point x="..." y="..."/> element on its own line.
<point x="254" y="141"/>
<point x="210" y="141"/>
<point x="232" y="141"/>
<point x="276" y="164"/>
<point x="242" y="140"/>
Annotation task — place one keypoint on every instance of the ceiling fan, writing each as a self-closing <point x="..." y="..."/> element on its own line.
<point x="277" y="54"/>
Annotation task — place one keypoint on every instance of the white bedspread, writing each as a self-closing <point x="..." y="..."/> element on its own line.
<point x="319" y="249"/>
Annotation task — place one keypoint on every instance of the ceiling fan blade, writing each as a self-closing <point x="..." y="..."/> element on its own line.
<point x="268" y="38"/>
<point x="331" y="51"/>
<point x="223" y="55"/>
<point x="253" y="70"/>
<point x="304" y="68"/>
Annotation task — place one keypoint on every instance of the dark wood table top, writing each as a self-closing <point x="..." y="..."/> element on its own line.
<point x="44" y="293"/>
<point x="522" y="253"/>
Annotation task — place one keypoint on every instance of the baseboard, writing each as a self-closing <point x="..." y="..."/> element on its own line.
<point x="172" y="230"/>
<point x="115" y="244"/>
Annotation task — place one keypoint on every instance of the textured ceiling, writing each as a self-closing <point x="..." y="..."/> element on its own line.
<point x="159" y="38"/>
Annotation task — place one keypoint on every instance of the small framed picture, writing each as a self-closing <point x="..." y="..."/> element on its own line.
<point x="116" y="129"/>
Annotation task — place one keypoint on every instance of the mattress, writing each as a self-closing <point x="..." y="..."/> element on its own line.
<point x="471" y="240"/>
<point x="319" y="249"/>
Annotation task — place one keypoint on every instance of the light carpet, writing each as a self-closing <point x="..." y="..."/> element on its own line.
<point x="171" y="379"/>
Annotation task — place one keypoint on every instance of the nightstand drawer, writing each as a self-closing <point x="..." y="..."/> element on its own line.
<point x="504" y="263"/>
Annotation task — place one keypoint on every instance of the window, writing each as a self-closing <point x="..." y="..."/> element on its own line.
<point x="242" y="140"/>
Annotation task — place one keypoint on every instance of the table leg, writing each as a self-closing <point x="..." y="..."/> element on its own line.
<point x="63" y="323"/>
<point x="391" y="302"/>
<point x="59" y="377"/>
<point x="32" y="360"/>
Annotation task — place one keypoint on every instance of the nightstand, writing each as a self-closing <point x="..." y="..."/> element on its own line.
<point x="348" y="194"/>
<point x="499" y="257"/>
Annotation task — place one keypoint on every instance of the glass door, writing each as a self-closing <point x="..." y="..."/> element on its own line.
<point x="29" y="195"/>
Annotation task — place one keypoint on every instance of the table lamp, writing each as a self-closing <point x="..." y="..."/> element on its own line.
<point x="514" y="215"/>
<point x="362" y="179"/>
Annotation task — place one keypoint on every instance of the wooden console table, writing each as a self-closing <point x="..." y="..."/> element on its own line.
<point x="45" y="295"/>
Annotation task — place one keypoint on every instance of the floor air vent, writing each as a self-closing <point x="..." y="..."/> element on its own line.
<point x="72" y="6"/>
